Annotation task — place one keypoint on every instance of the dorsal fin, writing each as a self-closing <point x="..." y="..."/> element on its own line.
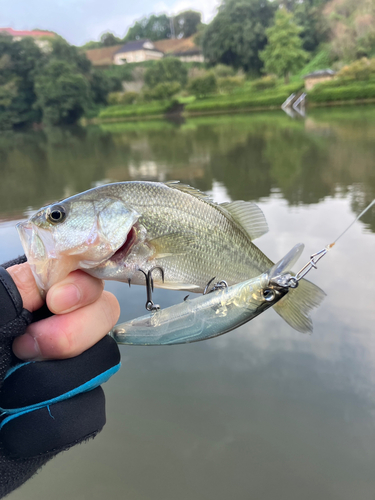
<point x="249" y="216"/>
<point x="185" y="188"/>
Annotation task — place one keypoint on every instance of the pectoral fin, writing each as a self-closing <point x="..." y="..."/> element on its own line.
<point x="172" y="244"/>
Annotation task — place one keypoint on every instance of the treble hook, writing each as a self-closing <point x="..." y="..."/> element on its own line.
<point x="220" y="285"/>
<point x="150" y="306"/>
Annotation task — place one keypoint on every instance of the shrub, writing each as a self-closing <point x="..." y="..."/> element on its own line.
<point x="229" y="83"/>
<point x="243" y="102"/>
<point x="128" y="97"/>
<point x="203" y="85"/>
<point x="169" y="69"/>
<point x="266" y="82"/>
<point x="343" y="93"/>
<point x="222" y="70"/>
<point x="113" y="98"/>
<point x="195" y="71"/>
<point x="162" y="91"/>
<point x="122" y="98"/>
<point x="362" y="69"/>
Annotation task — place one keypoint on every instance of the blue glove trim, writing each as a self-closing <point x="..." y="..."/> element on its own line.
<point x="15" y="368"/>
<point x="87" y="386"/>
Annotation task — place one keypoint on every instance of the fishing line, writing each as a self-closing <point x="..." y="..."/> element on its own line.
<point x="354" y="221"/>
<point x="314" y="258"/>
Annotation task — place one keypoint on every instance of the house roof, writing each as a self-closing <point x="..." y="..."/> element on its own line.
<point x="177" y="46"/>
<point x="319" y="73"/>
<point x="138" y="45"/>
<point x="33" y="33"/>
<point x="103" y="56"/>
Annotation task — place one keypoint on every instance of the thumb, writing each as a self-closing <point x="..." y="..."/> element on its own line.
<point x="25" y="282"/>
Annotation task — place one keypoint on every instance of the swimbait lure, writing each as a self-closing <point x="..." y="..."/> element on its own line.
<point x="213" y="314"/>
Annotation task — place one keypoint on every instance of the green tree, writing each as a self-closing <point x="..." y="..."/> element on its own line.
<point x="153" y="28"/>
<point x="100" y="85"/>
<point x="169" y="69"/>
<point x="62" y="51"/>
<point x="54" y="86"/>
<point x="283" y="53"/>
<point x="237" y="33"/>
<point x="308" y="14"/>
<point x="315" y="29"/>
<point x="62" y="93"/>
<point x="18" y="63"/>
<point x="91" y="45"/>
<point x="109" y="39"/>
<point x="186" y="23"/>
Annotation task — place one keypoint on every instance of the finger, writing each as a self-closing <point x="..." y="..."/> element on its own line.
<point x="77" y="290"/>
<point x="68" y="335"/>
<point x="25" y="282"/>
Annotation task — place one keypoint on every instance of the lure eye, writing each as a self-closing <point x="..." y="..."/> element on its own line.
<point x="269" y="295"/>
<point x="56" y="214"/>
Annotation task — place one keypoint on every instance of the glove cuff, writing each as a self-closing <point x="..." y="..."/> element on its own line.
<point x="13" y="319"/>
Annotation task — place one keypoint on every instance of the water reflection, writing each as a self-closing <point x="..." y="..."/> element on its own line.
<point x="252" y="156"/>
<point x="262" y="412"/>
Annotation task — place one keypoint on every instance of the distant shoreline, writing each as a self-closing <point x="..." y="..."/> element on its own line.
<point x="234" y="110"/>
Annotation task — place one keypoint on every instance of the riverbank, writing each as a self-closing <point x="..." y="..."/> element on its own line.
<point x="242" y="101"/>
<point x="212" y="112"/>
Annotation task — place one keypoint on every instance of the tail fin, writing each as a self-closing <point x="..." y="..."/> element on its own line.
<point x="294" y="308"/>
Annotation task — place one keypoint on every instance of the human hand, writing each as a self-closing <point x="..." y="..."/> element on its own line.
<point x="83" y="314"/>
<point x="49" y="406"/>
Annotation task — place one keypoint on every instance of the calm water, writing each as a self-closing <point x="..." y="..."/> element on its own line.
<point x="263" y="412"/>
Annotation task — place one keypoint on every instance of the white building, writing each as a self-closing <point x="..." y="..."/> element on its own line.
<point x="137" y="51"/>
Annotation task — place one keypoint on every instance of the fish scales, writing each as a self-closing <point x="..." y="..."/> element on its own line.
<point x="114" y="231"/>
<point x="221" y="249"/>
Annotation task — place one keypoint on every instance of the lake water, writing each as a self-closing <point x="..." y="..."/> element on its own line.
<point x="263" y="412"/>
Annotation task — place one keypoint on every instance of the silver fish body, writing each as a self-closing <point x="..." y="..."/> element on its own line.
<point x="115" y="230"/>
<point x="182" y="231"/>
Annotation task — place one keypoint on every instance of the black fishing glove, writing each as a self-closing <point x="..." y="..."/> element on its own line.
<point x="48" y="406"/>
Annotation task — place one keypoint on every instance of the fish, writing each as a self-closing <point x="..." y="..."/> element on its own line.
<point x="114" y="231"/>
<point x="215" y="313"/>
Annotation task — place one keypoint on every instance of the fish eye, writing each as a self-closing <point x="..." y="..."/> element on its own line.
<point x="56" y="214"/>
<point x="269" y="295"/>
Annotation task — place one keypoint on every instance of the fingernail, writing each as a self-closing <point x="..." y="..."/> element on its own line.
<point x="26" y="347"/>
<point x="63" y="297"/>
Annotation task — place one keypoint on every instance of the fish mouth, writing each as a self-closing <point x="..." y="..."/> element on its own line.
<point x="124" y="250"/>
<point x="37" y="253"/>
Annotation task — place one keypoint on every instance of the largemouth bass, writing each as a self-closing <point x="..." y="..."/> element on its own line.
<point x="113" y="231"/>
<point x="213" y="314"/>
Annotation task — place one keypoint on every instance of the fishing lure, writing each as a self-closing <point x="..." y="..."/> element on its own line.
<point x="221" y="310"/>
<point x="214" y="313"/>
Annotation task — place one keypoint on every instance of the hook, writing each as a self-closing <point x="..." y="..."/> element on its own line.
<point x="150" y="306"/>
<point x="220" y="285"/>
